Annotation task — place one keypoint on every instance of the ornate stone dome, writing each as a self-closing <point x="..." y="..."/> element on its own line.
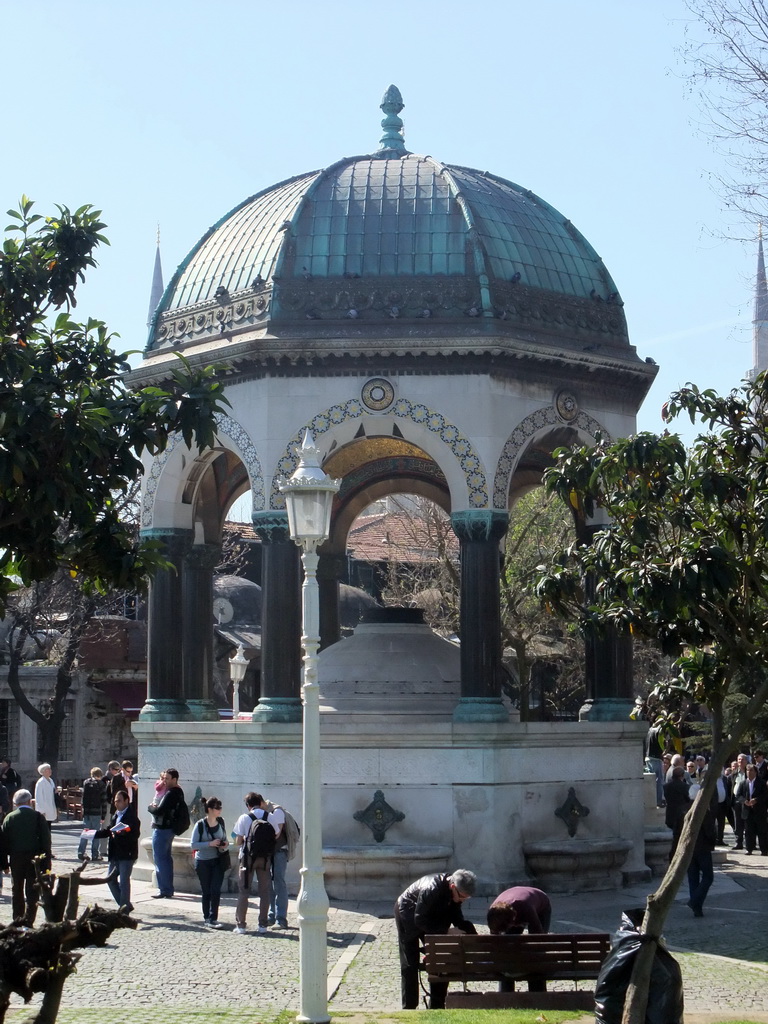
<point x="391" y="246"/>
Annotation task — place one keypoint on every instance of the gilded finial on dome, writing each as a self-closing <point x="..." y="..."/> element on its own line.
<point x="392" y="140"/>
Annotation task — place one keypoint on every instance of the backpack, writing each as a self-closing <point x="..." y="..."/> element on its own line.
<point x="292" y="832"/>
<point x="180" y="819"/>
<point x="260" y="841"/>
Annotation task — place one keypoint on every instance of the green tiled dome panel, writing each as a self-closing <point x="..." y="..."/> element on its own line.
<point x="521" y="234"/>
<point x="245" y="244"/>
<point x="378" y="218"/>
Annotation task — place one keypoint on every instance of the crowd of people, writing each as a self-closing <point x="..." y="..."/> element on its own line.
<point x="264" y="838"/>
<point x="739" y="800"/>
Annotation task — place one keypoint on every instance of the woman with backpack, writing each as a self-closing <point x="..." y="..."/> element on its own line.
<point x="210" y="845"/>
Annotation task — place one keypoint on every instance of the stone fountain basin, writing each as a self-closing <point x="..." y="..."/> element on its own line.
<point x="596" y="863"/>
<point x="378" y="872"/>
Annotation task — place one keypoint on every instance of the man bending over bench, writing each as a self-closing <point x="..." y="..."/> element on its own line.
<point x="511" y="912"/>
<point x="429" y="907"/>
<point x="519" y="908"/>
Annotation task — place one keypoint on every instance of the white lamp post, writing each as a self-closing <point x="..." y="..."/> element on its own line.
<point x="238" y="666"/>
<point x="308" y="497"/>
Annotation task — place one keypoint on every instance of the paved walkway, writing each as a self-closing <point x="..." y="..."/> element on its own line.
<point x="171" y="960"/>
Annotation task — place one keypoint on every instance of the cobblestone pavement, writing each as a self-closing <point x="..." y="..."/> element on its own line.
<point x="171" y="960"/>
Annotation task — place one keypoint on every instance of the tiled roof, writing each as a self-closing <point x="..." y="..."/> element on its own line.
<point x="400" y="536"/>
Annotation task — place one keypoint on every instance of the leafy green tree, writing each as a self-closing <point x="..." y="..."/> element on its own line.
<point x="684" y="561"/>
<point x="539" y="524"/>
<point x="72" y="431"/>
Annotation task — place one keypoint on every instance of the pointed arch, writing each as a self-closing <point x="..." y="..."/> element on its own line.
<point x="402" y="409"/>
<point x="241" y="442"/>
<point x="523" y="432"/>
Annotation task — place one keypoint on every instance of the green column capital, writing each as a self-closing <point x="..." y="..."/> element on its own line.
<point x="475" y="524"/>
<point x="271" y="526"/>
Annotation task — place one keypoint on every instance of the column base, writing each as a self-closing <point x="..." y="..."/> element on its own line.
<point x="202" y="711"/>
<point x="606" y="709"/>
<point x="480" y="709"/>
<point x="164" y="709"/>
<point x="278" y="709"/>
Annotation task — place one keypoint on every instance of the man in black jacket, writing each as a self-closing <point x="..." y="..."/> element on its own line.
<point x="700" y="870"/>
<point x="123" y="848"/>
<point x="678" y="804"/>
<point x="9" y="777"/>
<point x="430" y="906"/>
<point x="755" y="812"/>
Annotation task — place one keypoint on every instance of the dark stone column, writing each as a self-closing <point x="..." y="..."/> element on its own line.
<point x="280" y="699"/>
<point x="197" y="630"/>
<point x="608" y="662"/>
<point x="479" y="532"/>
<point x="330" y="569"/>
<point x="165" y="693"/>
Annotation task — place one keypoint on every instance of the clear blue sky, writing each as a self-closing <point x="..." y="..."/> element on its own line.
<point x="174" y="112"/>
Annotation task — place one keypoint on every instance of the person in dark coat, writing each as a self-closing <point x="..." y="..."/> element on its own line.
<point x="24" y="835"/>
<point x="430" y="906"/>
<point x="9" y="777"/>
<point x="700" y="870"/>
<point x="678" y="804"/>
<point x="519" y="908"/>
<point x="123" y="848"/>
<point x="755" y="812"/>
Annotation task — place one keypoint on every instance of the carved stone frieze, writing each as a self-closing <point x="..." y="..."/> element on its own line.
<point x="377" y="298"/>
<point x="206" y="319"/>
<point x="395" y="466"/>
<point x="568" y="314"/>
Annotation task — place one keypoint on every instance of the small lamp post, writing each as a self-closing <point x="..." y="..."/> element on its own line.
<point x="238" y="666"/>
<point x="309" y="496"/>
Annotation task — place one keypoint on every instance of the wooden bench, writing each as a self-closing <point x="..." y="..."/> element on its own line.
<point x="73" y="802"/>
<point x="513" y="958"/>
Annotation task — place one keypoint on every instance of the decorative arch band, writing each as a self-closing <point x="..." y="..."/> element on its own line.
<point x="461" y="446"/>
<point x="520" y="436"/>
<point x="238" y="435"/>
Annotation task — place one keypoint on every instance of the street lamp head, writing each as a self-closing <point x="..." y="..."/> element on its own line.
<point x="238" y="665"/>
<point x="309" y="494"/>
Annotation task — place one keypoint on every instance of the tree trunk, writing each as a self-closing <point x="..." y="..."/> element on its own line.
<point x="524" y="678"/>
<point x="49" y="1009"/>
<point x="657" y="908"/>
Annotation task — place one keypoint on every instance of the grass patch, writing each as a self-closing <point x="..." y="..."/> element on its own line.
<point x="459" y="1016"/>
<point x="179" y="1015"/>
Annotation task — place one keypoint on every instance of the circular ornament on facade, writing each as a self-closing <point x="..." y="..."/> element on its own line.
<point x="567" y="405"/>
<point x="377" y="394"/>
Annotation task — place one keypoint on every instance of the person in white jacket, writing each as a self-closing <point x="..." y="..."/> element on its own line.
<point x="45" y="793"/>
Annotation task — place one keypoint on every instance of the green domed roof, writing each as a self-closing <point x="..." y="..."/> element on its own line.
<point x="432" y="240"/>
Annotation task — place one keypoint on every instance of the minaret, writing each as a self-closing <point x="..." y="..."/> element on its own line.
<point x="760" y="319"/>
<point x="157" y="283"/>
